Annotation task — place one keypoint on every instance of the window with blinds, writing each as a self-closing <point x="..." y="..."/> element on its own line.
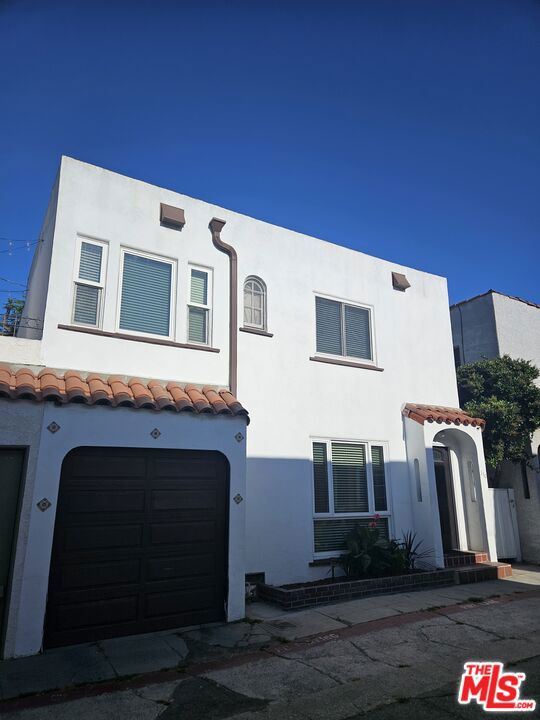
<point x="199" y="307"/>
<point x="89" y="283"/>
<point x="343" y="329"/>
<point x="349" y="479"/>
<point x="146" y="297"/>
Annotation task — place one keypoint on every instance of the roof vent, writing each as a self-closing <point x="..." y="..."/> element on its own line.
<point x="400" y="282"/>
<point x="172" y="217"/>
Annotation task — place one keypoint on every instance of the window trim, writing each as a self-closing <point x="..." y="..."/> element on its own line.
<point x="264" y="309"/>
<point x="77" y="280"/>
<point x="209" y="304"/>
<point x="347" y="358"/>
<point x="172" y="300"/>
<point x="332" y="515"/>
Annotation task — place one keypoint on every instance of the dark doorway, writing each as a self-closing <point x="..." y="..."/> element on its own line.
<point x="140" y="543"/>
<point x="11" y="472"/>
<point x="445" y="497"/>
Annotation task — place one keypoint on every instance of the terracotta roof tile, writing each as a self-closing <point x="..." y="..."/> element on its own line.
<point x="72" y="387"/>
<point x="438" y="414"/>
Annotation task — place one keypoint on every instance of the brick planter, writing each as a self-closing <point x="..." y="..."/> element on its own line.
<point x="343" y="589"/>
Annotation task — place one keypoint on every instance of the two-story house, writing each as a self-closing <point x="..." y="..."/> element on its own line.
<point x="140" y="499"/>
<point x="492" y="325"/>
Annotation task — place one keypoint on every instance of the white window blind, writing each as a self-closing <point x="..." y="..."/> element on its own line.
<point x="343" y="329"/>
<point x="198" y="309"/>
<point x="146" y="295"/>
<point x="90" y="263"/>
<point x="349" y="471"/>
<point x="88" y="284"/>
<point x="86" y="307"/>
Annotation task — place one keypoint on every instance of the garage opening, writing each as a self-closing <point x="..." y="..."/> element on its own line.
<point x="140" y="543"/>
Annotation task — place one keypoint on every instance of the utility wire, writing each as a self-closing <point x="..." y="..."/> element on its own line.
<point x="14" y="240"/>
<point x="13" y="282"/>
<point x="21" y="247"/>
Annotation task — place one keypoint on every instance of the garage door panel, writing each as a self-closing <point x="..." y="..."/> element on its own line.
<point x="98" y="613"/>
<point x="178" y="567"/>
<point x="194" y="466"/>
<point x="182" y="532"/>
<point x="168" y="603"/>
<point x="107" y="465"/>
<point x="94" y="537"/>
<point x="100" y="574"/>
<point x="100" y="500"/>
<point x="184" y="499"/>
<point x="140" y="543"/>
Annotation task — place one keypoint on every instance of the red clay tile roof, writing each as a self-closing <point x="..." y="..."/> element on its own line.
<point x="435" y="413"/>
<point x="115" y="390"/>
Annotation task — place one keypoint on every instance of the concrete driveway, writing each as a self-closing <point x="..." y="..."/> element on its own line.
<point x="385" y="657"/>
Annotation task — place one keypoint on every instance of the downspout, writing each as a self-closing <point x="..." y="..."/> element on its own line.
<point x="216" y="226"/>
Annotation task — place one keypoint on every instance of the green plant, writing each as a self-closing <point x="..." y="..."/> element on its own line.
<point x="11" y="317"/>
<point x="503" y="392"/>
<point x="370" y="554"/>
<point x="412" y="553"/>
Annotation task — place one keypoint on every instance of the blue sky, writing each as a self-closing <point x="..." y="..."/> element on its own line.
<point x="408" y="130"/>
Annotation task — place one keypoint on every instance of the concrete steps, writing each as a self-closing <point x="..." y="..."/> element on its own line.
<point x="475" y="566"/>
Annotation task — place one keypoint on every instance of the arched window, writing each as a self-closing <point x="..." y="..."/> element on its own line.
<point x="255" y="303"/>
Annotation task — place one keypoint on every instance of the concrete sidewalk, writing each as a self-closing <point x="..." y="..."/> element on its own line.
<point x="265" y="626"/>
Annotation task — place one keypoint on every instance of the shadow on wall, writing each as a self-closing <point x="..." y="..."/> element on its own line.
<point x="284" y="534"/>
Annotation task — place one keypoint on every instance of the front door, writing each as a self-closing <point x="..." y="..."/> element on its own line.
<point x="445" y="497"/>
<point x="11" y="466"/>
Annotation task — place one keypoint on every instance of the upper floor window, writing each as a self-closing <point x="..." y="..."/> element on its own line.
<point x="89" y="283"/>
<point x="343" y="329"/>
<point x="199" y="310"/>
<point x="146" y="298"/>
<point x="255" y="303"/>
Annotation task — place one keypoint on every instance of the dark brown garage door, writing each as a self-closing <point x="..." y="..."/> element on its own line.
<point x="140" y="543"/>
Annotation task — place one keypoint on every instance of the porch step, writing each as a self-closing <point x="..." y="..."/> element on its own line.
<point x="483" y="571"/>
<point x="461" y="558"/>
<point x="474" y="566"/>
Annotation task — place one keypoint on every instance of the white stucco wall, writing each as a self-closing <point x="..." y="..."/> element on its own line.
<point x="290" y="398"/>
<point x="475" y="518"/>
<point x="103" y="427"/>
<point x="20" y="351"/>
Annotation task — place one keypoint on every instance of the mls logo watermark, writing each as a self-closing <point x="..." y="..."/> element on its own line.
<point x="489" y="685"/>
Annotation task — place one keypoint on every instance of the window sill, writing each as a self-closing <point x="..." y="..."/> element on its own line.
<point x="323" y="562"/>
<point x="255" y="331"/>
<point x="346" y="363"/>
<point x="137" y="338"/>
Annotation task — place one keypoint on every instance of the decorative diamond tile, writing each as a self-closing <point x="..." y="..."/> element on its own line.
<point x="53" y="427"/>
<point x="238" y="498"/>
<point x="44" y="504"/>
<point x="155" y="433"/>
<point x="239" y="437"/>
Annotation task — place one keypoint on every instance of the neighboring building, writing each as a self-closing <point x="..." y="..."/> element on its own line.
<point x="492" y="325"/>
<point x="343" y="360"/>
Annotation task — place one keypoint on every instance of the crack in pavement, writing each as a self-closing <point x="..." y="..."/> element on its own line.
<point x="325" y="673"/>
<point x="476" y="627"/>
<point x="365" y="653"/>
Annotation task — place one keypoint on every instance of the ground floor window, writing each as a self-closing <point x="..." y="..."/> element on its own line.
<point x="349" y="486"/>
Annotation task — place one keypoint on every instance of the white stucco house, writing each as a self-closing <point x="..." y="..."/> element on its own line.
<point x="139" y="498"/>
